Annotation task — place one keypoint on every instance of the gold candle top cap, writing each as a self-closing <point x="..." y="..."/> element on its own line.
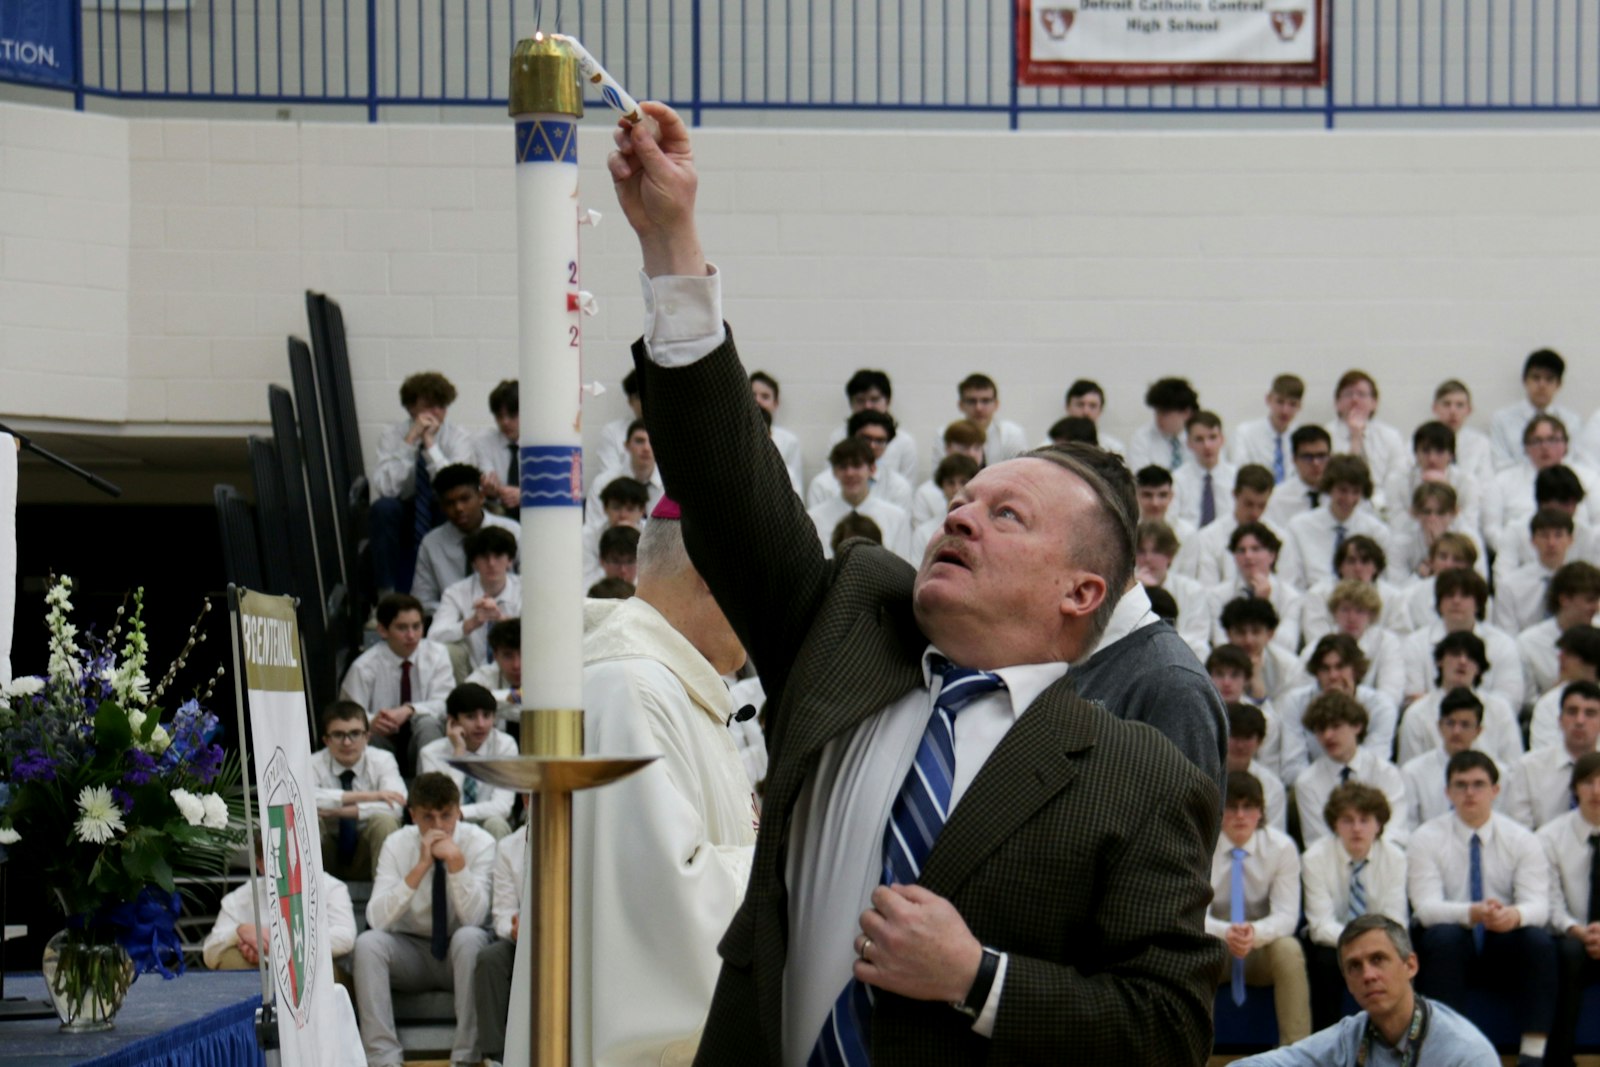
<point x="544" y="77"/>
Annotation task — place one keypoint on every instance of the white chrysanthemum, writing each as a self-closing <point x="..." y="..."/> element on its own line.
<point x="8" y="836"/>
<point x="216" y="811"/>
<point x="189" y="806"/>
<point x="25" y="686"/>
<point x="101" y="819"/>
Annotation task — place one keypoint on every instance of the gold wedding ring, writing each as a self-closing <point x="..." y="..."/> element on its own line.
<point x="866" y="943"/>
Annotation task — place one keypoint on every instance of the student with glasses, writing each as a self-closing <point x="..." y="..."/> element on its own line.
<point x="360" y="793"/>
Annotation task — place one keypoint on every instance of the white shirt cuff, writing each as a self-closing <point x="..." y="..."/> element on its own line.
<point x="984" y="1024"/>
<point x="682" y="317"/>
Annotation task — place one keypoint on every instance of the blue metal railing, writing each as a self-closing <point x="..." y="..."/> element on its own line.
<point x="1397" y="56"/>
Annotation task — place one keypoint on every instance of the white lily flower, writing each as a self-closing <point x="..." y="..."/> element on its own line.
<point x="8" y="836"/>
<point x="191" y="807"/>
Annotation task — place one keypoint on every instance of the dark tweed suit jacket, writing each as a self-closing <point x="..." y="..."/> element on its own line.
<point x="1082" y="848"/>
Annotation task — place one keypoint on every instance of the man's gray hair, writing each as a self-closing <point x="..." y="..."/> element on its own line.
<point x="1109" y="548"/>
<point x="1369" y="922"/>
<point x="661" y="551"/>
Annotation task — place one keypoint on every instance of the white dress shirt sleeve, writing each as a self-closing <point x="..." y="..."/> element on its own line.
<point x="449" y="621"/>
<point x="340" y="918"/>
<point x="384" y="771"/>
<point x="682" y="317"/>
<point x="1284" y="897"/>
<point x="469" y="888"/>
<point x="1532" y="880"/>
<point x="396" y="463"/>
<point x="506" y="887"/>
<point x="390" y="894"/>
<point x="1425" y="878"/>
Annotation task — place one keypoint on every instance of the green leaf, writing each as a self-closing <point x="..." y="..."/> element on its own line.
<point x="111" y="730"/>
<point x="152" y="719"/>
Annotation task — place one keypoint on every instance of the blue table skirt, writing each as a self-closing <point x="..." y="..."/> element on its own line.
<point x="203" y="1019"/>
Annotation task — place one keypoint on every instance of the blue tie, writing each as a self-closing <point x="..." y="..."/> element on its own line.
<point x="1277" y="457"/>
<point x="423" y="517"/>
<point x="918" y="815"/>
<point x="1358" y="892"/>
<point x="349" y="829"/>
<point x="1339" y="534"/>
<point x="1177" y="453"/>
<point x="1208" y="504"/>
<point x="1475" y="886"/>
<point x="1236" y="916"/>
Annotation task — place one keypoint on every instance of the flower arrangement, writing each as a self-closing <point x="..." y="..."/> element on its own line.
<point x="108" y="804"/>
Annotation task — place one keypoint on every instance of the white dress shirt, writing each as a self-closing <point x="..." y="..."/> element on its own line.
<point x="611" y="450"/>
<point x="1285" y="600"/>
<point x="899" y="455"/>
<point x="376" y="771"/>
<point x="1541" y="660"/>
<point x="1150" y="447"/>
<point x="1255" y="441"/>
<point x="1566" y="843"/>
<point x="1188" y="490"/>
<point x="1387" y="452"/>
<point x="1300" y="748"/>
<point x="1504" y="676"/>
<point x="1538" y="787"/>
<point x="1281" y="672"/>
<point x="1501" y="736"/>
<point x="1408" y="548"/>
<point x="928" y="503"/>
<point x="1271" y="886"/>
<point x="1474" y="454"/>
<point x="1307" y="555"/>
<point x="237" y="909"/>
<point x="1195" y="612"/>
<point x="594" y="512"/>
<point x="491" y="677"/>
<point x="1316" y="782"/>
<point x="788" y="446"/>
<point x="1275" y="796"/>
<point x="1004" y="440"/>
<point x="397" y="908"/>
<point x="1325" y="872"/>
<point x="505" y="884"/>
<point x="491" y="800"/>
<point x="373" y="680"/>
<point x="1212" y="563"/>
<point x="395" y="472"/>
<point x="892" y="522"/>
<point x="458" y="603"/>
<point x="1515" y="871"/>
<point x="492" y="453"/>
<point x="1544" y="729"/>
<point x="1426" y="780"/>
<point x="442" y="558"/>
<point x="1509" y="423"/>
<point x="1519" y="597"/>
<point x="1586" y="443"/>
<point x="887" y="484"/>
<point x="1316" y="621"/>
<point x="1293" y="497"/>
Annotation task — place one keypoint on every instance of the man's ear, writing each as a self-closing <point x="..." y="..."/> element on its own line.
<point x="1083" y="595"/>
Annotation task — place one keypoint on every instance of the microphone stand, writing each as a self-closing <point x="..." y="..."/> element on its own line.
<point x="93" y="479"/>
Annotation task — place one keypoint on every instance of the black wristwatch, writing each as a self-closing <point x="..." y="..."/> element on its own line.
<point x="972" y="1005"/>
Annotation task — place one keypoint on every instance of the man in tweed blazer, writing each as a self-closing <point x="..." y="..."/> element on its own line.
<point x="1076" y="851"/>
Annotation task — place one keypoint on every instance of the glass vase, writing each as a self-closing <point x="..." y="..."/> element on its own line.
<point x="88" y="976"/>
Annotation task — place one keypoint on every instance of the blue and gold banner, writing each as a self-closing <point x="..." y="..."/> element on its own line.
<point x="547" y="141"/>
<point x="36" y="42"/>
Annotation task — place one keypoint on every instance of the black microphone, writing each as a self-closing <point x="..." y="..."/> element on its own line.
<point x="745" y="714"/>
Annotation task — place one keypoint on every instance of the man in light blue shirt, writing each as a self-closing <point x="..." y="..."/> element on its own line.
<point x="1395" y="1026"/>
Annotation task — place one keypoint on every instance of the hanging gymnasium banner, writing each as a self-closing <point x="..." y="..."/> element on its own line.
<point x="36" y="41"/>
<point x="1172" y="42"/>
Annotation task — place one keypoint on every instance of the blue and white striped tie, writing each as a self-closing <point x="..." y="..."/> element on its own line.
<point x="918" y="815"/>
<point x="1358" y="892"/>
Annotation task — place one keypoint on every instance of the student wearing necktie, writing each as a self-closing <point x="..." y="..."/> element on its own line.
<point x="496" y="452"/>
<point x="359" y="793"/>
<point x="425" y="920"/>
<point x="1572" y="844"/>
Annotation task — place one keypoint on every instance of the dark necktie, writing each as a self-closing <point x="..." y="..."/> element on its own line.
<point x="1315" y="498"/>
<point x="1358" y="891"/>
<point x="348" y="828"/>
<point x="469" y="790"/>
<point x="441" y="914"/>
<point x="1594" y="878"/>
<point x="1208" y="505"/>
<point x="1277" y="457"/>
<point x="1236" y="917"/>
<point x="918" y="815"/>
<point x="513" y="472"/>
<point x="423" y="512"/>
<point x="405" y="681"/>
<point x="1475" y="886"/>
<point x="1344" y="775"/>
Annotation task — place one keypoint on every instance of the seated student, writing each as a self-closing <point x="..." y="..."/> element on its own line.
<point x="1461" y="600"/>
<point x="497" y="451"/>
<point x="401" y="681"/>
<point x="360" y="794"/>
<point x="1348" y="874"/>
<point x="961" y="438"/>
<point x="1520" y="592"/>
<point x="1480" y="891"/>
<point x="853" y="465"/>
<point x="1336" y="664"/>
<point x="1542" y="372"/>
<point x="624" y="501"/>
<point x="1210" y="561"/>
<point x="1162" y="605"/>
<point x="1254" y="548"/>
<point x="1574" y="598"/>
<point x="1514" y="495"/>
<point x="1356" y="608"/>
<point x="1296" y="495"/>
<point x="619" y="553"/>
<point x="1434" y="513"/>
<point x="854" y="525"/>
<point x="638" y="463"/>
<point x="1313" y="537"/>
<point x="870" y="390"/>
<point x="1085" y="399"/>
<point x="1536" y="785"/>
<point x="1460" y="662"/>
<point x="1396" y="1027"/>
<point x="1433" y="449"/>
<point x="1153" y="487"/>
<point x="411" y="453"/>
<point x="491" y="593"/>
<point x="502" y="675"/>
<point x="1157" y="545"/>
<point x="1555" y="487"/>
<point x="1415" y="605"/>
<point x="1577" y="660"/>
<point x="411" y="946"/>
<point x="1159" y="442"/>
<point x="611" y="451"/>
<point x="491" y="980"/>
<point x="1247" y="729"/>
<point x="1357" y="431"/>
<point x="950" y="476"/>
<point x="877" y="429"/>
<point x="1255" y="906"/>
<point x="768" y="393"/>
<point x="1073" y="429"/>
<point x="1359" y="559"/>
<point x="1251" y="625"/>
<point x="1339" y="723"/>
<point x="235" y="943"/>
<point x="442" y="557"/>
<point x="470" y="731"/>
<point x="1459" y="728"/>
<point x="1200" y="487"/>
<point x="610" y="589"/>
<point x="1452" y="405"/>
<point x="979" y="399"/>
<point x="1267" y="441"/>
<point x="1572" y="845"/>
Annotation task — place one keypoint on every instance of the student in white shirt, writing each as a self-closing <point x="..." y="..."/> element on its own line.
<point x="1247" y="729"/>
<point x="1201" y="487"/>
<point x="1434" y="450"/>
<point x="979" y="400"/>
<point x="1548" y="476"/>
<point x="1352" y="872"/>
<point x="360" y="794"/>
<point x="235" y="942"/>
<point x="1086" y="400"/>
<point x="1255" y="550"/>
<point x="1255" y="906"/>
<point x="1577" y="660"/>
<point x="469" y="607"/>
<point x="502" y="675"/>
<point x="1459" y="663"/>
<point x="491" y="981"/>
<point x="1231" y="675"/>
<point x="1572" y="845"/>
<point x="1542" y="372"/>
<point x="1461" y="599"/>
<point x="1537" y="787"/>
<point x="879" y="430"/>
<point x="407" y="943"/>
<point x="1452" y="405"/>
<point x="1520" y="592"/>
<point x="1153" y="489"/>
<point x="1315" y="536"/>
<point x="624" y="501"/>
<point x="469" y="731"/>
<point x="401" y="681"/>
<point x="961" y="438"/>
<point x="1335" y="664"/>
<point x="871" y="390"/>
<point x="949" y="478"/>
<point x="442" y="557"/>
<point x="1359" y="559"/>
<point x="1339" y="723"/>
<point x="638" y="462"/>
<point x="617" y="558"/>
<point x="1486" y="930"/>
<point x="1267" y="440"/>
<point x="496" y="451"/>
<point x="1561" y="489"/>
<point x="1573" y="597"/>
<point x="1157" y="545"/>
<point x="1356" y="608"/>
<point x="1296" y="495"/>
<point x="612" y="448"/>
<point x="1159" y="442"/>
<point x="1357" y="431"/>
<point x="1459" y="727"/>
<point x="1209" y="559"/>
<point x="767" y="392"/>
<point x="1416" y="606"/>
<point x="853" y="465"/>
<point x="1251" y="624"/>
<point x="1435" y="511"/>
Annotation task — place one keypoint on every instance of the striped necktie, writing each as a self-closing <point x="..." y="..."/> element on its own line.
<point x="1358" y="892"/>
<point x="918" y="815"/>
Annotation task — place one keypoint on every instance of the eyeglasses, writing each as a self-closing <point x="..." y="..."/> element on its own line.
<point x="348" y="737"/>
<point x="1546" y="441"/>
<point x="1312" y="457"/>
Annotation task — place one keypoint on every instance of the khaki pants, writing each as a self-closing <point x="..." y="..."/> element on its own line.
<point x="1281" y="965"/>
<point x="498" y="826"/>
<point x="374" y="831"/>
<point x="233" y="960"/>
